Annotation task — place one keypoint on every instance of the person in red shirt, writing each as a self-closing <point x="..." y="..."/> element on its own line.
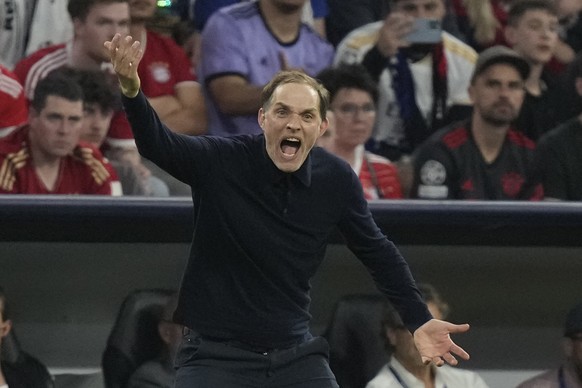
<point x="13" y="109"/>
<point x="166" y="75"/>
<point x="353" y="96"/>
<point x="46" y="156"/>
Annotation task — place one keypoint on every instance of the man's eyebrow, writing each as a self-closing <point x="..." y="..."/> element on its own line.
<point x="287" y="107"/>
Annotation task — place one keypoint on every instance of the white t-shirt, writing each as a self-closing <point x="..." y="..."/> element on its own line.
<point x="15" y="17"/>
<point x="44" y="31"/>
<point x="445" y="376"/>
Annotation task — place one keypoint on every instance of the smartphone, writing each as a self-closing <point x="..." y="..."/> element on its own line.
<point x="425" y="31"/>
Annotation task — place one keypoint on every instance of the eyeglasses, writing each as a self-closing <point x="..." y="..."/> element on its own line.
<point x="352" y="109"/>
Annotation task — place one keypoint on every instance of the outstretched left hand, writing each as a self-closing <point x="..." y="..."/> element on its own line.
<point x="434" y="342"/>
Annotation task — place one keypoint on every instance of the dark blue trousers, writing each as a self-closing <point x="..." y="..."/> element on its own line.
<point x="207" y="363"/>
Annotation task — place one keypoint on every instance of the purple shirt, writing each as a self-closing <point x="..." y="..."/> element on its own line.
<point x="236" y="40"/>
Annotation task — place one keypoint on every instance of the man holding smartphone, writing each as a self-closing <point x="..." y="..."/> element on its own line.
<point x="422" y="72"/>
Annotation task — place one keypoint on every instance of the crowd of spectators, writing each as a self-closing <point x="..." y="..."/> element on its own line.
<point x="206" y="62"/>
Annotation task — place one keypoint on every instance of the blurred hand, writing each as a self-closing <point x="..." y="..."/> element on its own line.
<point x="393" y="33"/>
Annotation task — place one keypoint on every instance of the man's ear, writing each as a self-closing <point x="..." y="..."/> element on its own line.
<point x="578" y="84"/>
<point x="391" y="335"/>
<point x="78" y="24"/>
<point x="5" y="328"/>
<point x="261" y="117"/>
<point x="323" y="127"/>
<point x="509" y="33"/>
<point x="567" y="346"/>
<point x="471" y="93"/>
<point x="164" y="332"/>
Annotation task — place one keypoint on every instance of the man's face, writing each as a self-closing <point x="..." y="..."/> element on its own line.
<point x="291" y="123"/>
<point x="142" y="10"/>
<point x="95" y="124"/>
<point x="427" y="9"/>
<point x="355" y="114"/>
<point x="534" y="36"/>
<point x="497" y="94"/>
<point x="102" y="22"/>
<point x="55" y="130"/>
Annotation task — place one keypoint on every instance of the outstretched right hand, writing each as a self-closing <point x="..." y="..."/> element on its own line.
<point x="125" y="55"/>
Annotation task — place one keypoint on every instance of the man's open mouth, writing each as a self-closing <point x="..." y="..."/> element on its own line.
<point x="290" y="146"/>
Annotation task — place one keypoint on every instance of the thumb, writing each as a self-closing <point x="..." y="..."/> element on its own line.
<point x="458" y="328"/>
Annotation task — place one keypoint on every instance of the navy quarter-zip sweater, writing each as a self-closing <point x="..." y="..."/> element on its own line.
<point x="260" y="234"/>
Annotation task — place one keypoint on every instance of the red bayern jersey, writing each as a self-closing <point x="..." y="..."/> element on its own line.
<point x="36" y="66"/>
<point x="164" y="66"/>
<point x="379" y="178"/>
<point x="85" y="171"/>
<point x="13" y="107"/>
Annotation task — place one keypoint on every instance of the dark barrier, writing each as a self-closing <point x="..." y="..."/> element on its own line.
<point x="168" y="220"/>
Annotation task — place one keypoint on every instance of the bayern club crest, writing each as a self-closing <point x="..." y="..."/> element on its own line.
<point x="160" y="72"/>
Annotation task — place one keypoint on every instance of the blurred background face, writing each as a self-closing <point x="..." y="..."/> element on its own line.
<point x="535" y="36"/>
<point x="142" y="10"/>
<point x="568" y="7"/>
<point x="102" y="22"/>
<point x="354" y="113"/>
<point x="95" y="124"/>
<point x="427" y="9"/>
<point x="55" y="130"/>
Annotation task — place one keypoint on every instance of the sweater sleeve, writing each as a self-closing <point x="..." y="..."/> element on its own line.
<point x="383" y="260"/>
<point x="187" y="158"/>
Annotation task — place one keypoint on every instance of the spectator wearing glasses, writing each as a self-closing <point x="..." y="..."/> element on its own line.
<point x="353" y="97"/>
<point x="569" y="374"/>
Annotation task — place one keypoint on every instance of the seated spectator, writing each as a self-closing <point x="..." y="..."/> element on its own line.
<point x="166" y="75"/>
<point x="422" y="86"/>
<point x="24" y="371"/>
<point x="160" y="372"/>
<point x="482" y="158"/>
<point x="347" y="15"/>
<point x="353" y="96"/>
<point x="558" y="157"/>
<point x="45" y="156"/>
<point x="13" y="107"/>
<point x="405" y="368"/>
<point x="235" y="67"/>
<point x="569" y="374"/>
<point x="532" y="31"/>
<point x="101" y="100"/>
<point x="94" y="21"/>
<point x="570" y="32"/>
<point x="196" y="14"/>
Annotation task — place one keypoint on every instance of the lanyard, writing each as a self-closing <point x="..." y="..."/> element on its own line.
<point x="404" y="385"/>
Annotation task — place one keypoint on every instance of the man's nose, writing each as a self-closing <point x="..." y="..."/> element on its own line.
<point x="294" y="121"/>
